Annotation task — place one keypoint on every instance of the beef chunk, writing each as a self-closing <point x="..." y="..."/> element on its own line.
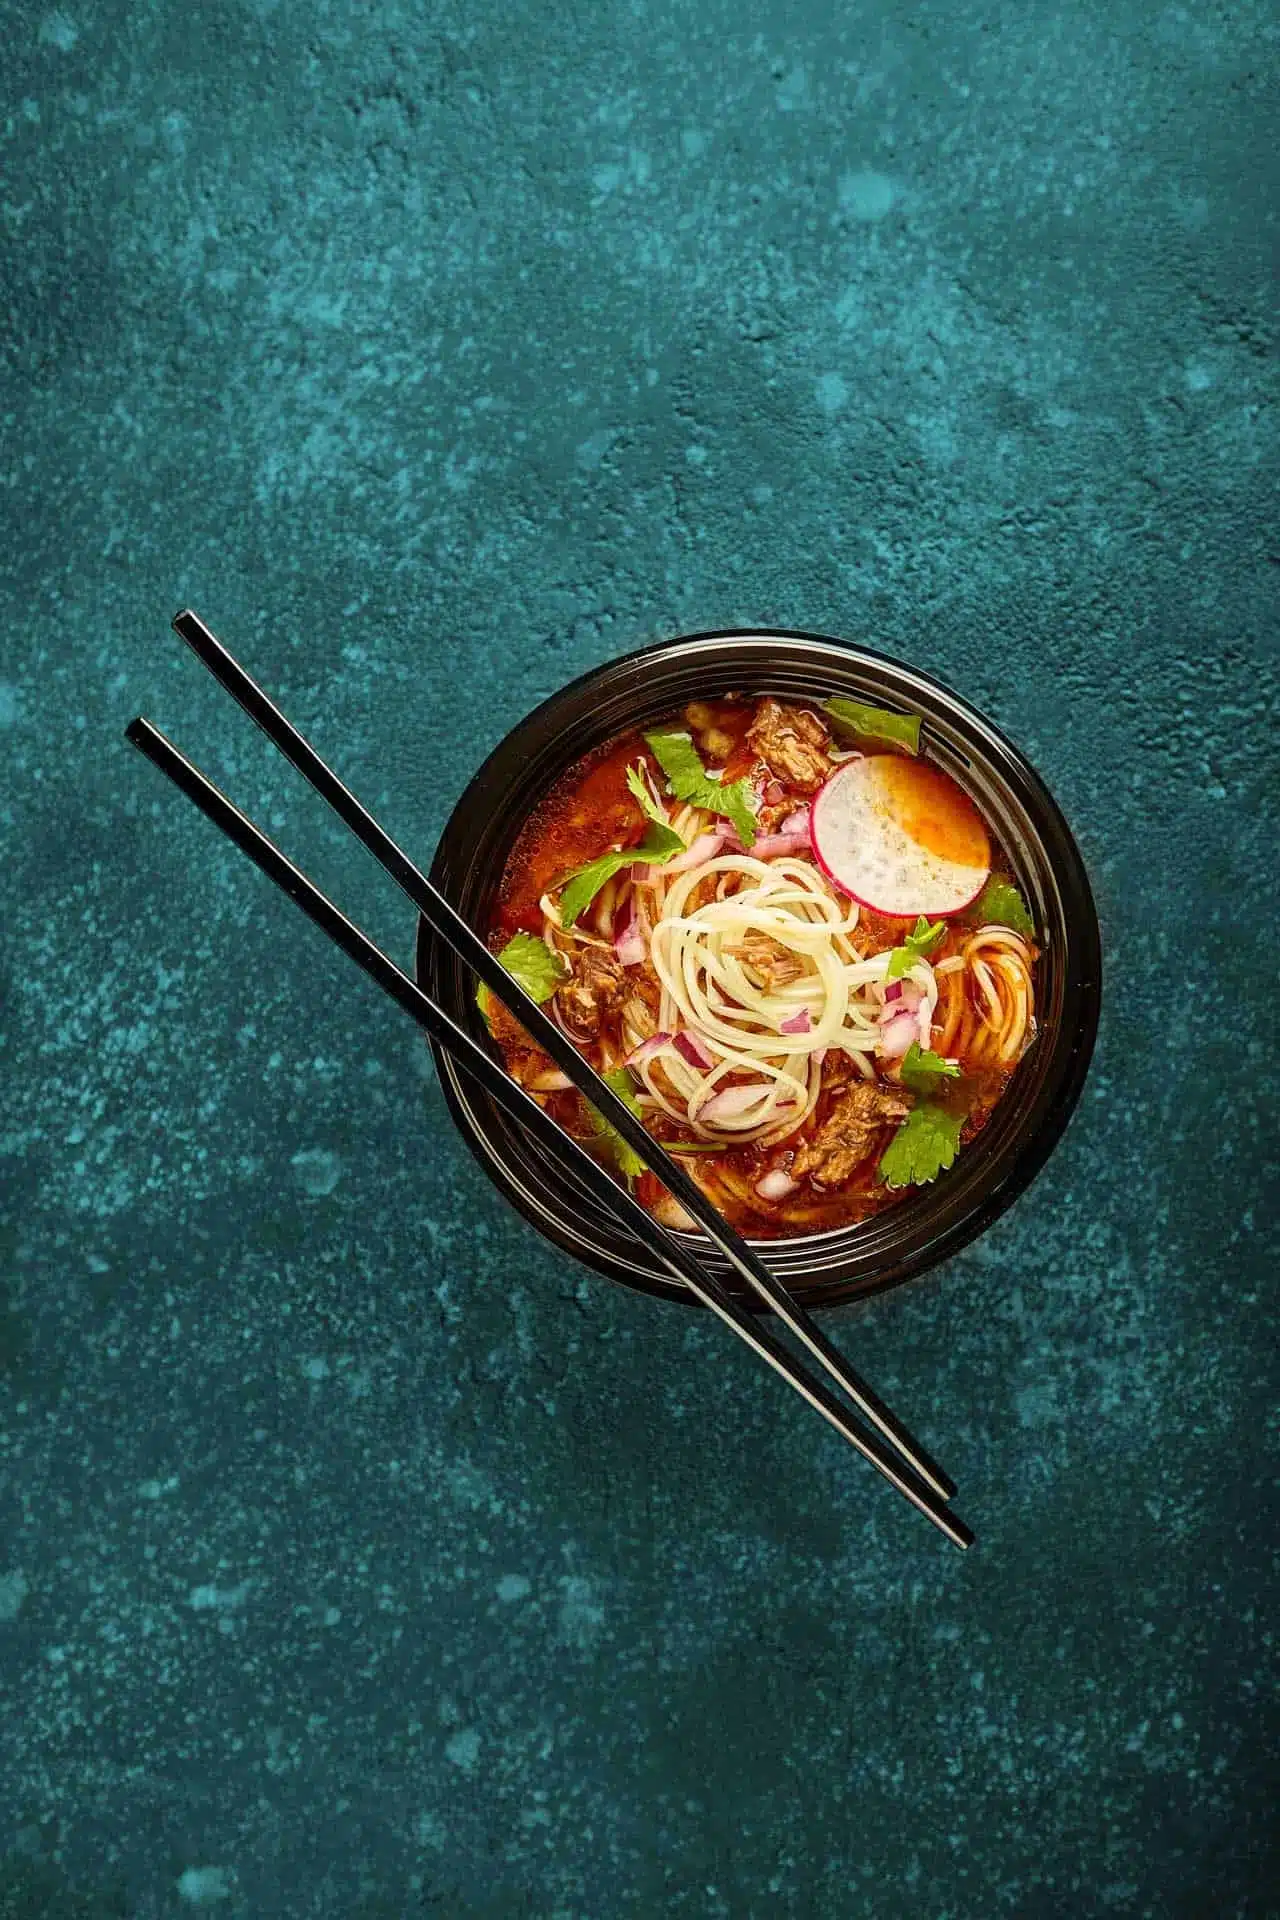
<point x="715" y="742"/>
<point x="772" y="963"/>
<point x="792" y="744"/>
<point x="848" y="1133"/>
<point x="598" y="985"/>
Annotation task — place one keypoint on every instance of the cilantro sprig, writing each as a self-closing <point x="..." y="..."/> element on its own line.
<point x="689" y="780"/>
<point x="922" y="1069"/>
<point x="918" y="945"/>
<point x="531" y="962"/>
<point x="624" y="1157"/>
<point x="660" y="844"/>
<point x="1000" y="904"/>
<point x="860" y="722"/>
<point x="924" y="1144"/>
<point x="644" y="795"/>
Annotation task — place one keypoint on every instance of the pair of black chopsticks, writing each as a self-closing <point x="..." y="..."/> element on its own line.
<point x="884" y="1442"/>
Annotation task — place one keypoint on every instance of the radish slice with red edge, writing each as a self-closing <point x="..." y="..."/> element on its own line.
<point x="900" y="837"/>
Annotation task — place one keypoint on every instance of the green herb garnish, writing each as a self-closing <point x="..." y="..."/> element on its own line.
<point x="875" y="723"/>
<point x="640" y="788"/>
<point x="660" y="844"/>
<point x="922" y="1069"/>
<point x="924" y="1144"/>
<point x="689" y="780"/>
<point x="1001" y="905"/>
<point x="531" y="962"/>
<point x="918" y="945"/>
<point x="624" y="1157"/>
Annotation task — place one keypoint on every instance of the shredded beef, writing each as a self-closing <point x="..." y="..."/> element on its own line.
<point x="848" y="1133"/>
<point x="792" y="744"/>
<point x="597" y="986"/>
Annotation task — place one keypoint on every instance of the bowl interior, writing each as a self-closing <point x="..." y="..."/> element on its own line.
<point x="928" y="1225"/>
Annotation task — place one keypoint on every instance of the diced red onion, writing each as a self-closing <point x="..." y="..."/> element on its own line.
<point x="694" y="1050"/>
<point x="705" y="847"/>
<point x="774" y="794"/>
<point x="629" y="943"/>
<point x="776" y="1185"/>
<point x="769" y="846"/>
<point x="893" y="991"/>
<point x="798" y="1023"/>
<point x="647" y="1049"/>
<point x="668" y="1210"/>
<point x="797" y="822"/>
<point x="729" y="1103"/>
<point x="820" y="1056"/>
<point x="897" y="1034"/>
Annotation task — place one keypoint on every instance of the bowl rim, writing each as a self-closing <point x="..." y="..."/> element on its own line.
<point x="1059" y="1079"/>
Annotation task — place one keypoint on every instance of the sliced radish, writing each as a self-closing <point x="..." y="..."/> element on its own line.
<point x="899" y="836"/>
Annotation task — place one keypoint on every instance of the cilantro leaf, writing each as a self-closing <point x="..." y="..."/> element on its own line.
<point x="624" y="1157"/>
<point x="922" y="1069"/>
<point x="679" y="760"/>
<point x="1000" y="904"/>
<point x="531" y="962"/>
<point x="875" y="723"/>
<point x="918" y="945"/>
<point x="640" y="788"/>
<point x="689" y="780"/>
<point x="660" y="844"/>
<point x="924" y="1144"/>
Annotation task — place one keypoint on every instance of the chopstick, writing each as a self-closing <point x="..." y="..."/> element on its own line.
<point x="678" y="1258"/>
<point x="447" y="923"/>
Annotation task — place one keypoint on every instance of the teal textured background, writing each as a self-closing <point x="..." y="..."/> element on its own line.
<point x="358" y="1556"/>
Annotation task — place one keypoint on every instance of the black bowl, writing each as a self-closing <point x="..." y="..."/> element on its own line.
<point x="821" y="1269"/>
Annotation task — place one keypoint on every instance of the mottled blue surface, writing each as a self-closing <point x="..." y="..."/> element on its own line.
<point x="359" y="1557"/>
